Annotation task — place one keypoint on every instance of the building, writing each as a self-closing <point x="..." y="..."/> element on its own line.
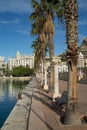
<point x="80" y="63"/>
<point x="2" y="65"/>
<point x="62" y="68"/>
<point x="83" y="50"/>
<point x="21" y="60"/>
<point x="2" y="61"/>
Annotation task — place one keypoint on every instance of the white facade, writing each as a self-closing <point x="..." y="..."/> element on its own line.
<point x="62" y="68"/>
<point x="2" y="61"/>
<point x="21" y="60"/>
<point x="80" y="62"/>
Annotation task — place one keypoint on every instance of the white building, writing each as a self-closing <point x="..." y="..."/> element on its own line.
<point x="83" y="50"/>
<point x="80" y="63"/>
<point x="21" y="60"/>
<point x="62" y="68"/>
<point x="2" y="65"/>
<point x="2" y="61"/>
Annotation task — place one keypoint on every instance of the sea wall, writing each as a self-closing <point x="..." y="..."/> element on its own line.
<point x="17" y="78"/>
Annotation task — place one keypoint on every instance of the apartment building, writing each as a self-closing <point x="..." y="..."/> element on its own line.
<point x="21" y="60"/>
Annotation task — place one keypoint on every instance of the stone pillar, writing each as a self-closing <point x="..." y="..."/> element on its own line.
<point x="37" y="75"/>
<point x="56" y="79"/>
<point x="45" y="82"/>
<point x="42" y="74"/>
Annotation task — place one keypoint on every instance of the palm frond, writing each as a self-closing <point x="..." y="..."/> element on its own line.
<point x="33" y="16"/>
<point x="34" y="3"/>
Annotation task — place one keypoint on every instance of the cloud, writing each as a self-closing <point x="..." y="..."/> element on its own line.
<point x="15" y="6"/>
<point x="10" y="22"/>
<point x="23" y="31"/>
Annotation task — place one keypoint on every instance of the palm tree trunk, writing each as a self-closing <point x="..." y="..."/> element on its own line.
<point x="44" y="63"/>
<point x="42" y="39"/>
<point x="49" y="30"/>
<point x="71" y="17"/>
<point x="72" y="115"/>
<point x="51" y="52"/>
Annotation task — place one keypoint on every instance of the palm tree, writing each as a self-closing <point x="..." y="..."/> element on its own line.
<point x="71" y="18"/>
<point x="38" y="53"/>
<point x="49" y="31"/>
<point x="38" y="19"/>
<point x="51" y="9"/>
<point x="44" y="12"/>
<point x="42" y="39"/>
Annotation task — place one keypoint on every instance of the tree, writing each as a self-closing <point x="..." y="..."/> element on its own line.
<point x="43" y="17"/>
<point x="63" y="57"/>
<point x="22" y="71"/>
<point x="37" y="51"/>
<point x="7" y="70"/>
<point x="49" y="30"/>
<point x="51" y="8"/>
<point x="3" y="67"/>
<point x="71" y="18"/>
<point x="37" y="19"/>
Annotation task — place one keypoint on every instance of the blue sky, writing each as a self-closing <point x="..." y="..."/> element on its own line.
<point x="15" y="28"/>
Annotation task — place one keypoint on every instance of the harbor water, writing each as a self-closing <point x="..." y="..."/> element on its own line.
<point x="9" y="90"/>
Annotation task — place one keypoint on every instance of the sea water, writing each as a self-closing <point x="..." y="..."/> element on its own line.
<point x="9" y="90"/>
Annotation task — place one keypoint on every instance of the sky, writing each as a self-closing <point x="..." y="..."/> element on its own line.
<point x="15" y="28"/>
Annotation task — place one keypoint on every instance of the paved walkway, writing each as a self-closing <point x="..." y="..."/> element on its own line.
<point x="44" y="115"/>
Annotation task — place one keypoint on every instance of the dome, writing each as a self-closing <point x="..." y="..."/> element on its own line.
<point x="18" y="54"/>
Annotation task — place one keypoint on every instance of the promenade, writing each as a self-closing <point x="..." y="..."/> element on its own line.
<point x="45" y="115"/>
<point x="36" y="111"/>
